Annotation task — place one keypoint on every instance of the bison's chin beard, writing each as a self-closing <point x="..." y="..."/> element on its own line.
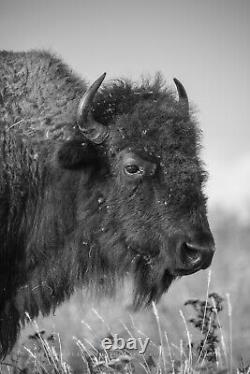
<point x="150" y="282"/>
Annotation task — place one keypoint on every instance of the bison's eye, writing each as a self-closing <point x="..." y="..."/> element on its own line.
<point x="133" y="169"/>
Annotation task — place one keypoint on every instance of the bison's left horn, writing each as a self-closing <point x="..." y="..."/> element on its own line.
<point x="183" y="98"/>
<point x="91" y="129"/>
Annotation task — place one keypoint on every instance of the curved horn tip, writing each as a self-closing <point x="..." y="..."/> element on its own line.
<point x="86" y="100"/>
<point x="97" y="82"/>
<point x="180" y="88"/>
<point x="183" y="97"/>
<point x="101" y="78"/>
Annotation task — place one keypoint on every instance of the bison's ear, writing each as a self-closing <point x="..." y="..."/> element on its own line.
<point x="76" y="153"/>
<point x="91" y="129"/>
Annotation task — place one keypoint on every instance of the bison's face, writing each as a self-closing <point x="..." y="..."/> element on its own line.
<point x="157" y="197"/>
<point x="154" y="206"/>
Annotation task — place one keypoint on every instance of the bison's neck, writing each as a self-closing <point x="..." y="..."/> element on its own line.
<point x="63" y="240"/>
<point x="69" y="239"/>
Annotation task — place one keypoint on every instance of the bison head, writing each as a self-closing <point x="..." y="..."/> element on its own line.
<point x="148" y="180"/>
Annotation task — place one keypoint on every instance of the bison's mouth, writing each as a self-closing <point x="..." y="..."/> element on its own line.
<point x="152" y="279"/>
<point x="155" y="270"/>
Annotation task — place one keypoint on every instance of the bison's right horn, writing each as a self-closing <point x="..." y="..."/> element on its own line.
<point x="91" y="129"/>
<point x="183" y="97"/>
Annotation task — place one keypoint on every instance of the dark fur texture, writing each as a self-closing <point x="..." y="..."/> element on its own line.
<point x="69" y="217"/>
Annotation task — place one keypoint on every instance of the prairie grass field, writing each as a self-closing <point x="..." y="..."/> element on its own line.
<point x="78" y="326"/>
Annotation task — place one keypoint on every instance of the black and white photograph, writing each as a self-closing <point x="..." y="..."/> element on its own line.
<point x="124" y="187"/>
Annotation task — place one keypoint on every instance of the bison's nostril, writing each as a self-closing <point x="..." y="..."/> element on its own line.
<point x="194" y="257"/>
<point x="190" y="254"/>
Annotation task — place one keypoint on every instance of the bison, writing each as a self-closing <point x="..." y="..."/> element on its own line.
<point x="94" y="184"/>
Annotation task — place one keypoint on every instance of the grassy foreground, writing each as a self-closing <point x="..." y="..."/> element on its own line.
<point x="201" y="326"/>
<point x="205" y="351"/>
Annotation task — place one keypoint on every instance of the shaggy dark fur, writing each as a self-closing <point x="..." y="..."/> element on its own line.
<point x="69" y="216"/>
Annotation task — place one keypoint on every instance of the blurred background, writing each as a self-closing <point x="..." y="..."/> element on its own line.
<point x="205" y="44"/>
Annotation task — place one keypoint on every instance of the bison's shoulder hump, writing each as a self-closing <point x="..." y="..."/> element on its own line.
<point x="38" y="91"/>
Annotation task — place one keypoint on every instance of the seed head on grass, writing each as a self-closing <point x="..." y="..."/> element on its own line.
<point x="206" y="322"/>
